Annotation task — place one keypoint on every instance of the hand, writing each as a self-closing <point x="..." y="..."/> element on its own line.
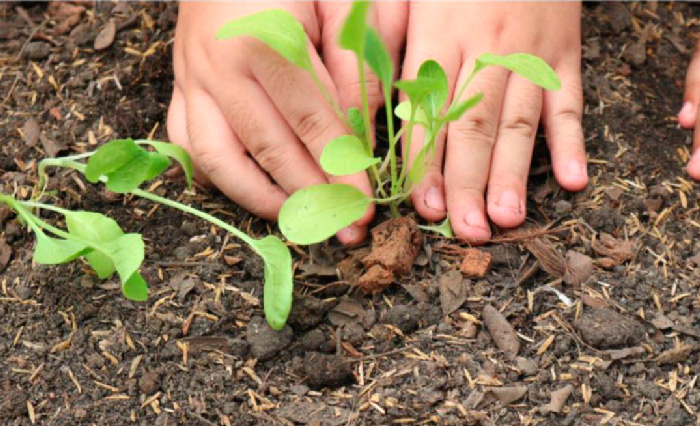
<point x="491" y="146"/>
<point x="255" y="124"/>
<point x="689" y="116"/>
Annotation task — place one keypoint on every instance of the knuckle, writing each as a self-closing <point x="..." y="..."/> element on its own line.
<point x="477" y="128"/>
<point x="520" y="124"/>
<point x="272" y="158"/>
<point x="209" y="162"/>
<point x="353" y="92"/>
<point x="310" y="125"/>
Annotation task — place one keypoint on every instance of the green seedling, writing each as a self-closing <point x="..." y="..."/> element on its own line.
<point x="123" y="166"/>
<point x="316" y="213"/>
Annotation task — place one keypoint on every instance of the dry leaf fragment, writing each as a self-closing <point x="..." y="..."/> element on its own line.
<point x="558" y="399"/>
<point x="106" y="36"/>
<point x="453" y="291"/>
<point x="346" y="312"/>
<point x="506" y="394"/>
<point x="662" y="322"/>
<point x="675" y="355"/>
<point x="616" y="354"/>
<point x="549" y="258"/>
<point x="31" y="131"/>
<point x="476" y="263"/>
<point x="501" y="331"/>
<point x="618" y="250"/>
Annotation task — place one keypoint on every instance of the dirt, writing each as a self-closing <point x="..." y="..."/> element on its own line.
<point x="599" y="290"/>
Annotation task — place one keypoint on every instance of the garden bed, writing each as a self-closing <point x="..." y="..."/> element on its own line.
<point x="587" y="315"/>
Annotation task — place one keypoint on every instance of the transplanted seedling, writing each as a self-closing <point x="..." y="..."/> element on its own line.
<point x="123" y="166"/>
<point x="317" y="212"/>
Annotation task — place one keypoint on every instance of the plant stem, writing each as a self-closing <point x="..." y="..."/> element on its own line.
<point x="365" y="102"/>
<point x="191" y="210"/>
<point x="326" y="94"/>
<point x="388" y="107"/>
<point x="386" y="162"/>
<point x="463" y="87"/>
<point x="409" y="133"/>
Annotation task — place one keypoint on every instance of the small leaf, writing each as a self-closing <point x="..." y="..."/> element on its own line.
<point x="403" y="111"/>
<point x="435" y="99"/>
<point x="444" y="228"/>
<point x="54" y="251"/>
<point x="278" y="280"/>
<point x="98" y="229"/>
<point x="278" y="29"/>
<point x="529" y="66"/>
<point x="378" y="58"/>
<point x="142" y="167"/>
<point x="346" y="155"/>
<point x="135" y="288"/>
<point x="418" y="88"/>
<point x="351" y="34"/>
<point x="127" y="253"/>
<point x="110" y="157"/>
<point x="316" y="213"/>
<point x="457" y="111"/>
<point x="357" y="122"/>
<point x="177" y="153"/>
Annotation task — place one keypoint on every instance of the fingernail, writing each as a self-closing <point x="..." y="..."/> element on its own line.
<point x="510" y="200"/>
<point x="476" y="219"/>
<point x="347" y="234"/>
<point x="686" y="111"/>
<point x="434" y="200"/>
<point x="574" y="168"/>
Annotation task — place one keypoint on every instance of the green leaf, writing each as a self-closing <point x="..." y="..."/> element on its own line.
<point x="529" y="66"/>
<point x="135" y="288"/>
<point x="457" y="111"/>
<point x="352" y="33"/>
<point x="378" y="58"/>
<point x="277" y="293"/>
<point x="127" y="253"/>
<point x="357" y="122"/>
<point x="54" y="251"/>
<point x="435" y="99"/>
<point x="98" y="229"/>
<point x="403" y="111"/>
<point x="444" y="228"/>
<point x="346" y="155"/>
<point x="418" y="88"/>
<point x="278" y="29"/>
<point x="316" y="213"/>
<point x="110" y="157"/>
<point x="177" y="153"/>
<point x="125" y="165"/>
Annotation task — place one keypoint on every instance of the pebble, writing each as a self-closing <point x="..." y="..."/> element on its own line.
<point x="37" y="50"/>
<point x="265" y="342"/>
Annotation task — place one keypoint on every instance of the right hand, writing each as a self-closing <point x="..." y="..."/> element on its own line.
<point x="254" y="123"/>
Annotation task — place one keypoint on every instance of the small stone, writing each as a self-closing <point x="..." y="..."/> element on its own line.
<point x="476" y="263"/>
<point x="37" y="50"/>
<point x="299" y="390"/>
<point x="31" y="132"/>
<point x="149" y="383"/>
<point x="402" y="316"/>
<point x="605" y="328"/>
<point x="528" y="366"/>
<point x="265" y="342"/>
<point x="563" y="207"/>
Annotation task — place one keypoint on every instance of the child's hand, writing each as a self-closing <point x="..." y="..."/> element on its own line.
<point x="492" y="144"/>
<point x="689" y="116"/>
<point x="256" y="124"/>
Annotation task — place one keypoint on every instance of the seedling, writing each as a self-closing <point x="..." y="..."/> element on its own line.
<point x="316" y="213"/>
<point x="123" y="166"/>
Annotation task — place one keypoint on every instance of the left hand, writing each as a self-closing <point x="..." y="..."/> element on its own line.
<point x="491" y="146"/>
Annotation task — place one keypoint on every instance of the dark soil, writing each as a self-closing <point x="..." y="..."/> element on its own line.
<point x="609" y="335"/>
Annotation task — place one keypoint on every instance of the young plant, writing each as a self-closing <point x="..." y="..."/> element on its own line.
<point x="316" y="213"/>
<point x="123" y="166"/>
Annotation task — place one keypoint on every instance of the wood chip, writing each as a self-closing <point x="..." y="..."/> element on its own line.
<point x="506" y="394"/>
<point x="618" y="250"/>
<point x="558" y="399"/>
<point x="501" y="331"/>
<point x="476" y="263"/>
<point x="675" y="355"/>
<point x="106" y="36"/>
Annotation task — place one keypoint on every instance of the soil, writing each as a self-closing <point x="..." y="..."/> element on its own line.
<point x="607" y="335"/>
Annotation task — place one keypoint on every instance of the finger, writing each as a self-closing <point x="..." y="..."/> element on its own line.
<point x="691" y="98"/>
<point x="266" y="135"/>
<point x="428" y="196"/>
<point x="693" y="167"/>
<point x="470" y="143"/>
<point x="177" y="129"/>
<point x="562" y="120"/>
<point x="224" y="160"/>
<point x="512" y="153"/>
<point x="311" y="117"/>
